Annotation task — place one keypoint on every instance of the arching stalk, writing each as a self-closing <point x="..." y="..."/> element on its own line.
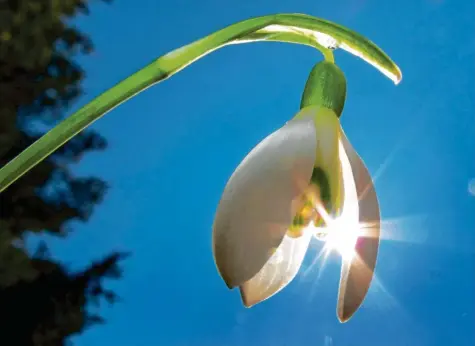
<point x="291" y="28"/>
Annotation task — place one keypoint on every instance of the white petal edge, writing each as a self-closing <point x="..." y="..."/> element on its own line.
<point x="357" y="273"/>
<point x="257" y="205"/>
<point x="278" y="272"/>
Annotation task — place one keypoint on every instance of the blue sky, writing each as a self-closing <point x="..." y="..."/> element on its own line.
<point x="173" y="147"/>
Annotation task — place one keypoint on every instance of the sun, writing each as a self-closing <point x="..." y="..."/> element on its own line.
<point x="342" y="238"/>
<point x="338" y="237"/>
<point x="339" y="234"/>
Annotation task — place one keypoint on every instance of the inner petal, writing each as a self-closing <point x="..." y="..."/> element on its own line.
<point x="316" y="196"/>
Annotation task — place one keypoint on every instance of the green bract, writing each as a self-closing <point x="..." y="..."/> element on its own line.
<point x="292" y="28"/>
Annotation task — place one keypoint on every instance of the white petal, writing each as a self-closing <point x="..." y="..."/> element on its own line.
<point x="277" y="273"/>
<point x="258" y="205"/>
<point x="356" y="274"/>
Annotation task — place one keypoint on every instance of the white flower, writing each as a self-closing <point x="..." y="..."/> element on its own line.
<point x="303" y="177"/>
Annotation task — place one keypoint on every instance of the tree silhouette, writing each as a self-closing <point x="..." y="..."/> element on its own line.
<point x="41" y="301"/>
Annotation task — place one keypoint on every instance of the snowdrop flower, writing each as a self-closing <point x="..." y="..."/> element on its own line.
<point x="303" y="180"/>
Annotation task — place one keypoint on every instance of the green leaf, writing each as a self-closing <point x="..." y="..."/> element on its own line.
<point x="291" y="28"/>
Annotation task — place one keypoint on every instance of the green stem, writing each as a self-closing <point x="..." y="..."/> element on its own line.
<point x="328" y="55"/>
<point x="290" y="28"/>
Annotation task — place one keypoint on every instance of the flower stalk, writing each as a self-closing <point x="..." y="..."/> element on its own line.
<point x="290" y="28"/>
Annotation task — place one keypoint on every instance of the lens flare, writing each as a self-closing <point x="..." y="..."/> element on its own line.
<point x="342" y="238"/>
<point x="340" y="234"/>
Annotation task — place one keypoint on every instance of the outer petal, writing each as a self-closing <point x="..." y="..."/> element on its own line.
<point x="277" y="273"/>
<point x="258" y="202"/>
<point x="356" y="274"/>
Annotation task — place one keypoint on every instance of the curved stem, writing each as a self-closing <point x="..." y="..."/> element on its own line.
<point x="328" y="55"/>
<point x="290" y="28"/>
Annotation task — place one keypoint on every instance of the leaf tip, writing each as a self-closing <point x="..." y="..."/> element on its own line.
<point x="398" y="76"/>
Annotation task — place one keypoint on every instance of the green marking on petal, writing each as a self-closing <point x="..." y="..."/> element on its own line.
<point x="308" y="204"/>
<point x="298" y="220"/>
<point x="320" y="179"/>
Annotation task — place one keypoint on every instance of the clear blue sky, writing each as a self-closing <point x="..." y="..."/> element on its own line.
<point x="172" y="148"/>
